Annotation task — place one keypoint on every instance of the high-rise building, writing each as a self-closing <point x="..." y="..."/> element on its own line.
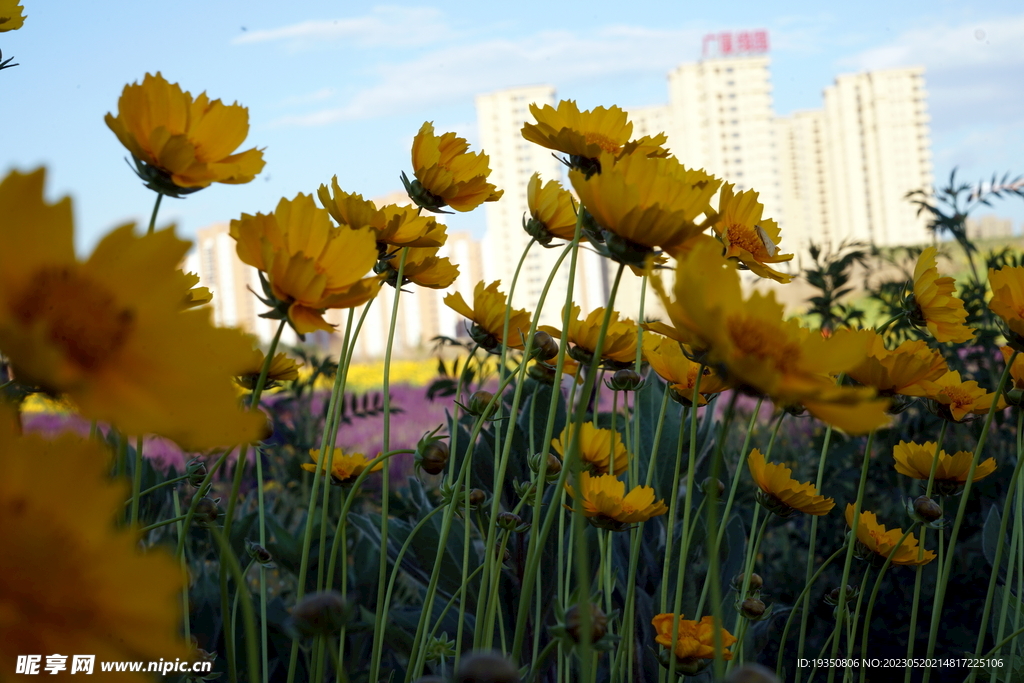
<point x="805" y="176"/>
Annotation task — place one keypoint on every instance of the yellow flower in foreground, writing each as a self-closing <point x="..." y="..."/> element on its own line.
<point x="181" y="144"/>
<point x="310" y="265"/>
<point x="667" y="359"/>
<point x="782" y="494"/>
<point x="607" y="505"/>
<point x="752" y="347"/>
<point x="74" y="583"/>
<point x="400" y="226"/>
<point x="747" y="237"/>
<point x="488" y="317"/>
<point x="905" y="370"/>
<point x="447" y="174"/>
<point x="194" y="296"/>
<point x="619" y="342"/>
<point x="11" y="15"/>
<point x="956" y="399"/>
<point x="937" y="307"/>
<point x="876" y="540"/>
<point x="552" y="213"/>
<point x="641" y="204"/>
<point x="585" y="134"/>
<point x="423" y="267"/>
<point x="695" y="640"/>
<point x="109" y="334"/>
<point x="282" y="369"/>
<point x="915" y="460"/>
<point x="1008" y="301"/>
<point x="596" y="448"/>
<point x="344" y="467"/>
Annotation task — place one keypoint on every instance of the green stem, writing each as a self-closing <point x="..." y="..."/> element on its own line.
<point x="874" y="594"/>
<point x="162" y="484"/>
<point x="227" y="558"/>
<point x="137" y="479"/>
<point x="184" y="572"/>
<point x="803" y="595"/>
<point x="146" y="529"/>
<point x="204" y="488"/>
<point x="152" y="218"/>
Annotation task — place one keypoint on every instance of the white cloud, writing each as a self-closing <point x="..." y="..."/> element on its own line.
<point x="559" y="57"/>
<point x="384" y="26"/>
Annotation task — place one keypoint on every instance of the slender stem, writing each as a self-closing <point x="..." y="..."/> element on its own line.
<point x="184" y="573"/>
<point x="803" y="595"/>
<point x="156" y="208"/>
<point x="166" y="482"/>
<point x="137" y="477"/>
<point x="157" y="525"/>
<point x="204" y="488"/>
<point x="227" y="557"/>
<point x="884" y="326"/>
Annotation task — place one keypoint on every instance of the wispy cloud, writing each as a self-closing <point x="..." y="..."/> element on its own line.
<point x="383" y="26"/>
<point x="307" y="98"/>
<point x="559" y="57"/>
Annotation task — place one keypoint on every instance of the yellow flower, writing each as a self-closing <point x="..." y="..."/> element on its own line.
<point x="1016" y="370"/>
<point x="640" y="204"/>
<point x="607" y="505"/>
<point x="194" y="296"/>
<point x="753" y="348"/>
<point x="1008" y="301"/>
<point x="109" y="333"/>
<point x="11" y="15"/>
<point x="181" y="144"/>
<point x="310" y="265"/>
<point x="936" y="306"/>
<point x="282" y="369"/>
<point x="620" y="339"/>
<point x="905" y="370"/>
<point x="399" y="226"/>
<point x="552" y="213"/>
<point x="874" y="537"/>
<point x="668" y="359"/>
<point x="782" y="494"/>
<point x="695" y="640"/>
<point x="747" y="237"/>
<point x="423" y="267"/>
<point x="596" y="446"/>
<point x="488" y="317"/>
<point x="447" y="174"/>
<point x="73" y="582"/>
<point x="957" y="399"/>
<point x="344" y="467"/>
<point x="582" y="135"/>
<point x="915" y="460"/>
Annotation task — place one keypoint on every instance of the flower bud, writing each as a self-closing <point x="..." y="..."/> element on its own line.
<point x="927" y="509"/>
<point x="207" y="512"/>
<point x="542" y="372"/>
<point x="1014" y="397"/>
<point x="574" y="623"/>
<point x="196" y="471"/>
<point x="322" y="613"/>
<point x="832" y="597"/>
<point x="754" y="585"/>
<point x="478" y="403"/>
<point x="544" y="346"/>
<point x="432" y="455"/>
<point x="752" y="608"/>
<point x="259" y="553"/>
<point x="477" y="497"/>
<point x="708" y="483"/>
<point x="509" y="521"/>
<point x="625" y="380"/>
<point x="486" y="667"/>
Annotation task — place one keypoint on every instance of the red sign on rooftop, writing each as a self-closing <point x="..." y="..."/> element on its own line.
<point x="735" y="44"/>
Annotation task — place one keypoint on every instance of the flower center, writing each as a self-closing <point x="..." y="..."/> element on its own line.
<point x="747" y="239"/>
<point x="81" y="316"/>
<point x="602" y="141"/>
<point x="959" y="398"/>
<point x="755" y="338"/>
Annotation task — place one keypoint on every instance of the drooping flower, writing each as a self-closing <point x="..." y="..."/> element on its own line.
<point x="73" y="582"/>
<point x="956" y="399"/>
<point x="749" y="238"/>
<point x="641" y="204"/>
<point x="447" y="174"/>
<point x="695" y="640"/>
<point x="905" y="370"/>
<point x="423" y="267"/>
<point x="1008" y="301"/>
<point x="552" y="213"/>
<point x="597" y="449"/>
<point x="935" y="304"/>
<point x="607" y="505"/>
<point x="752" y="347"/>
<point x="488" y="317"/>
<point x="308" y="265"/>
<point x="398" y="226"/>
<point x="782" y="494"/>
<point x="915" y="460"/>
<point x="345" y="467"/>
<point x="109" y="334"/>
<point x="12" y="15"/>
<point x="282" y="369"/>
<point x="668" y="359"/>
<point x="876" y="540"/>
<point x="194" y="296"/>
<point x="182" y="144"/>
<point x="620" y="339"/>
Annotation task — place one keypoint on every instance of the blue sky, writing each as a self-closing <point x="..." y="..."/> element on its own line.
<point x="341" y="88"/>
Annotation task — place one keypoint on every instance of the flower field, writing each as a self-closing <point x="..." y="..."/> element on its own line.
<point x="723" y="494"/>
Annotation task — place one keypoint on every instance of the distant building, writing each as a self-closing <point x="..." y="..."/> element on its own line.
<point x="989" y="227"/>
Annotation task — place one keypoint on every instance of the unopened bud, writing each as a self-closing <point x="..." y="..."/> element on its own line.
<point x="432" y="456"/>
<point x="574" y="623"/>
<point x="486" y="667"/>
<point x="259" y="553"/>
<point x="478" y="403"/>
<point x="754" y="584"/>
<point x="207" y="512"/>
<point x="477" y="497"/>
<point x="927" y="509"/>
<point x="544" y="346"/>
<point x="196" y="471"/>
<point x="322" y="613"/>
<point x="625" y="380"/>
<point x="752" y="608"/>
<point x="709" y="485"/>
<point x="509" y="521"/>
<point x="1014" y="397"/>
<point x="832" y="597"/>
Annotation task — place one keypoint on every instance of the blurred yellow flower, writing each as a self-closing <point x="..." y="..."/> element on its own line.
<point x="957" y="399"/>
<point x="935" y="305"/>
<point x="282" y="369"/>
<point x="596" y="449"/>
<point x="552" y="213"/>
<point x="488" y="317"/>
<point x="400" y="226"/>
<point x="695" y="640"/>
<point x="905" y="370"/>
<point x="73" y="582"/>
<point x="1016" y="370"/>
<point x="109" y="333"/>
<point x="620" y="339"/>
<point x="194" y="296"/>
<point x="423" y="267"/>
<point x="310" y="265"/>
<point x="781" y="493"/>
<point x="1008" y="301"/>
<point x="447" y="174"/>
<point x="667" y="358"/>
<point x="11" y="15"/>
<point x="181" y="144"/>
<point x="915" y="460"/>
<point x="748" y="237"/>
<point x="877" y="540"/>
<point x="344" y="467"/>
<point x="607" y="505"/>
<point x="753" y="348"/>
